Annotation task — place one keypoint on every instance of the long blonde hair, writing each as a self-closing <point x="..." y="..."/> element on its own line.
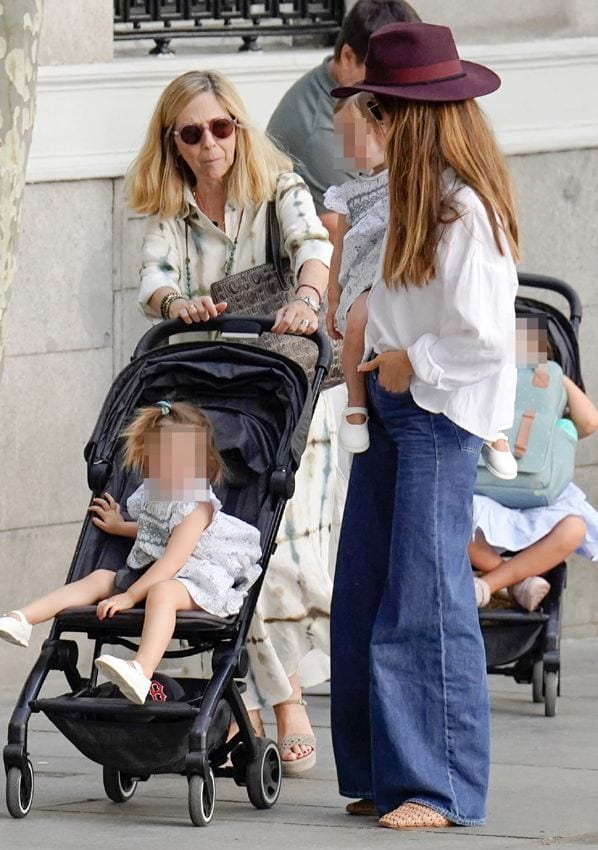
<point x="424" y="139"/>
<point x="156" y="179"/>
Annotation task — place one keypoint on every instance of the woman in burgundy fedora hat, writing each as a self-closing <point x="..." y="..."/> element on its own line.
<point x="409" y="696"/>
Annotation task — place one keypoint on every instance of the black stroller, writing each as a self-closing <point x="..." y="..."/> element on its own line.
<point x="261" y="405"/>
<point x="525" y="645"/>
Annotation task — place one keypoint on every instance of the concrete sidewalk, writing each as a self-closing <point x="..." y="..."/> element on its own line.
<point x="544" y="789"/>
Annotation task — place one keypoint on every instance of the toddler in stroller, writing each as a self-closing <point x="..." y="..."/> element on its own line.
<point x="260" y="405"/>
<point x="541" y="537"/>
<point x="188" y="554"/>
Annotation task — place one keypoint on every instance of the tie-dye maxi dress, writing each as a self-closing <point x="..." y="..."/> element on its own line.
<point x="290" y="631"/>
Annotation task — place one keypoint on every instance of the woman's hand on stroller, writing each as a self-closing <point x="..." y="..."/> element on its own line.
<point x="200" y="308"/>
<point x="111" y="606"/>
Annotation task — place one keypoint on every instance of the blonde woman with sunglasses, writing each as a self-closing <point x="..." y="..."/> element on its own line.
<point x="205" y="175"/>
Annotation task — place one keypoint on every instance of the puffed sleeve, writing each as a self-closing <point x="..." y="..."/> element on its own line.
<point x="160" y="259"/>
<point x="478" y="321"/>
<point x="335" y="199"/>
<point x="135" y="503"/>
<point x="180" y="510"/>
<point x="304" y="237"/>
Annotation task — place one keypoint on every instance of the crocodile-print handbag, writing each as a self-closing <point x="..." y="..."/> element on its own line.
<point x="263" y="290"/>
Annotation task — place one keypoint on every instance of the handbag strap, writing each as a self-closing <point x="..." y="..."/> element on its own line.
<point x="273" y="248"/>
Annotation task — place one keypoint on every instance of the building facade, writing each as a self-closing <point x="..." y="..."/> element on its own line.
<point x="73" y="320"/>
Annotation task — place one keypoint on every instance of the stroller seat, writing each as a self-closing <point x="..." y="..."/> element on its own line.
<point x="130" y="623"/>
<point x="260" y="405"/>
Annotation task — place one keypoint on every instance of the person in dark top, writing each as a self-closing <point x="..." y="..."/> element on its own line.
<point x="302" y="121"/>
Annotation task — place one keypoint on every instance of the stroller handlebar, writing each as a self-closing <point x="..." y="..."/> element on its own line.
<point x="237" y="326"/>
<point x="553" y="284"/>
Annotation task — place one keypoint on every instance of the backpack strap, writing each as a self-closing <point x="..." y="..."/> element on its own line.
<point x="541" y="377"/>
<point x="525" y="427"/>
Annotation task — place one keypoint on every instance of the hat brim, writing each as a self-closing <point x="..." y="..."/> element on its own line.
<point x="475" y="82"/>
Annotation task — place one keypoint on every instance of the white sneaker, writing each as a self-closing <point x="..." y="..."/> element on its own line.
<point x="354" y="438"/>
<point x="529" y="592"/>
<point x="482" y="592"/>
<point x="16" y="631"/>
<point x="500" y="463"/>
<point x="126" y="675"/>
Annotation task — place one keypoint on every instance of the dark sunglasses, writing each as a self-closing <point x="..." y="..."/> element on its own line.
<point x="192" y="134"/>
<point x="375" y="110"/>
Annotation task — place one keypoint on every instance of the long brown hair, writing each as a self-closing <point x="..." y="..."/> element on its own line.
<point x="156" y="180"/>
<point x="424" y="139"/>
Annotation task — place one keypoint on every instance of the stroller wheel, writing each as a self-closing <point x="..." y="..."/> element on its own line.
<point x="19" y="791"/>
<point x="119" y="787"/>
<point x="538" y="682"/>
<point x="202" y="799"/>
<point x="263" y="775"/>
<point x="551" y="687"/>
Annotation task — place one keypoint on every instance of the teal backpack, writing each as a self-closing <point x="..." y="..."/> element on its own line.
<point x="544" y="450"/>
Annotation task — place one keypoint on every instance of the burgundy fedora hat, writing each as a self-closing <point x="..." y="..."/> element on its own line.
<point x="420" y="62"/>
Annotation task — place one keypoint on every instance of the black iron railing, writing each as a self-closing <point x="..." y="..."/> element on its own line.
<point x="163" y="20"/>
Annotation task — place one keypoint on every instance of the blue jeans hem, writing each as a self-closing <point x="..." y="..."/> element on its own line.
<point x="456" y="819"/>
<point x="356" y="795"/>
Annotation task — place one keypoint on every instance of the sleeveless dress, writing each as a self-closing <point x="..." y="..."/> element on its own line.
<point x="223" y="565"/>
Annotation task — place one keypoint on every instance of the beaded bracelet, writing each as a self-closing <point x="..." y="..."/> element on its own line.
<point x="167" y="301"/>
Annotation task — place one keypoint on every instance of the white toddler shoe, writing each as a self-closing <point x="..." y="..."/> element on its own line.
<point x="502" y="464"/>
<point x="16" y="631"/>
<point x="354" y="438"/>
<point x="529" y="592"/>
<point x="126" y="675"/>
<point x="482" y="592"/>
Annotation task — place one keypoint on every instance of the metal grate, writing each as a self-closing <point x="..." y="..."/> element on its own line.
<point x="163" y="20"/>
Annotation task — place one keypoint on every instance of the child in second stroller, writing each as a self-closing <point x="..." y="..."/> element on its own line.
<point x="541" y="537"/>
<point x="188" y="555"/>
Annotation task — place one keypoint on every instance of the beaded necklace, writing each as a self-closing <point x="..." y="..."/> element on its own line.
<point x="228" y="264"/>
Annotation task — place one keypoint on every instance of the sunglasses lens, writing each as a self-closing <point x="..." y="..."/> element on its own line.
<point x="222" y="128"/>
<point x="190" y="134"/>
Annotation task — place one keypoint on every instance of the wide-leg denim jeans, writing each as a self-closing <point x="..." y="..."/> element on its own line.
<point x="409" y="696"/>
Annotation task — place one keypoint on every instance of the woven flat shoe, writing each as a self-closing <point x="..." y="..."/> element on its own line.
<point x="365" y="808"/>
<point x="414" y="816"/>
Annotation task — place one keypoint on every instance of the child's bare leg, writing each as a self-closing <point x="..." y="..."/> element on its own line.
<point x="555" y="547"/>
<point x="86" y="591"/>
<point x="482" y="555"/>
<point x="353" y="348"/>
<point x="161" y="605"/>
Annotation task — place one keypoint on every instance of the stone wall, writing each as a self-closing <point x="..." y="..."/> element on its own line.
<point x="489" y="22"/>
<point x="73" y="320"/>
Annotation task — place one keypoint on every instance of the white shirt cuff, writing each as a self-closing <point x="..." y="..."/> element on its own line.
<point x="313" y="249"/>
<point x="424" y="367"/>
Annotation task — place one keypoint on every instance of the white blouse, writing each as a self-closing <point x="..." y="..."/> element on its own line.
<point x="458" y="329"/>
<point x="212" y="252"/>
